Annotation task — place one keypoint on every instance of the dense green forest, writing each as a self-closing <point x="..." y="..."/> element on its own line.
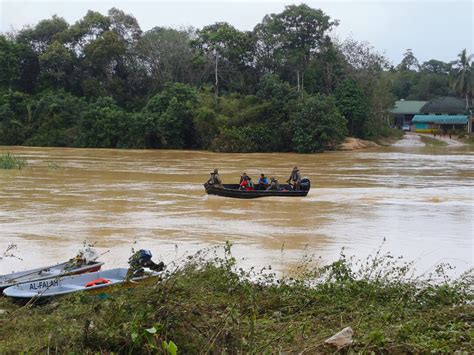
<point x="287" y="85"/>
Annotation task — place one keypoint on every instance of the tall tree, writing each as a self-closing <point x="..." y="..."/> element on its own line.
<point x="434" y="66"/>
<point x="463" y="80"/>
<point x="9" y="62"/>
<point x="167" y="56"/>
<point x="300" y="32"/>
<point x="409" y="61"/>
<point x="352" y="103"/>
<point x="229" y="49"/>
<point x="56" y="64"/>
<point x="43" y="34"/>
<point x="85" y="31"/>
<point x="368" y="68"/>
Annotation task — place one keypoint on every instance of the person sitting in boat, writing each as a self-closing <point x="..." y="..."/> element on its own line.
<point x="215" y="180"/>
<point x="246" y="183"/>
<point x="243" y="178"/>
<point x="250" y="186"/>
<point x="263" y="182"/>
<point x="295" y="177"/>
<point x="273" y="184"/>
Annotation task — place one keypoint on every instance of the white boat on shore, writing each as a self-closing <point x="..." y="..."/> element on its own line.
<point x="48" y="272"/>
<point x="96" y="282"/>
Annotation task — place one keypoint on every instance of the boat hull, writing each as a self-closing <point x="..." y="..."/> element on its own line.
<point x="232" y="190"/>
<point x="58" y="270"/>
<point x="54" y="287"/>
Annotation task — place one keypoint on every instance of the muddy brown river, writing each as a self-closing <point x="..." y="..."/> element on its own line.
<point x="419" y="200"/>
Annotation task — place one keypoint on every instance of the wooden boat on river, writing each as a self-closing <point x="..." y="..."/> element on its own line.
<point x="233" y="190"/>
<point x="100" y="282"/>
<point x="71" y="267"/>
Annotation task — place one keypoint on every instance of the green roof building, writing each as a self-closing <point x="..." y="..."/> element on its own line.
<point x="406" y="107"/>
<point x="404" y="111"/>
<point x="443" y="113"/>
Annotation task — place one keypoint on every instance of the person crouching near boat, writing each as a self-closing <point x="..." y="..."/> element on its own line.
<point x="295" y="177"/>
<point x="215" y="180"/>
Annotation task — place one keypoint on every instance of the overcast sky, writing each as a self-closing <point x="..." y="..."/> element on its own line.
<point x="432" y="29"/>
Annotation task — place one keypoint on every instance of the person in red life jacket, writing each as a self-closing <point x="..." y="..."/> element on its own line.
<point x="246" y="183"/>
<point x="249" y="186"/>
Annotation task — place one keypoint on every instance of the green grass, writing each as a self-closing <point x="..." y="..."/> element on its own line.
<point x="468" y="140"/>
<point x="208" y="305"/>
<point x="432" y="141"/>
<point x="10" y="161"/>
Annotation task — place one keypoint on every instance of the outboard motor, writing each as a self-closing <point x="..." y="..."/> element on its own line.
<point x="305" y="184"/>
<point x="142" y="259"/>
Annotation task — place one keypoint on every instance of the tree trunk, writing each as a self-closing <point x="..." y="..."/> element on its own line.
<point x="216" y="84"/>
<point x="302" y="80"/>
<point x="298" y="80"/>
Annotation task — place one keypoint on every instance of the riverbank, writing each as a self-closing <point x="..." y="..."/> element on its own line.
<point x="211" y="306"/>
<point x="387" y="137"/>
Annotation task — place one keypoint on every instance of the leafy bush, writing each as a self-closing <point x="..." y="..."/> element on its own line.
<point x="317" y="124"/>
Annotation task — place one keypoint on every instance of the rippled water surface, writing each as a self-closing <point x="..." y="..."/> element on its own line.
<point x="419" y="199"/>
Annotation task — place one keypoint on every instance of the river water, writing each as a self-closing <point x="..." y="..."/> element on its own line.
<point x="419" y="200"/>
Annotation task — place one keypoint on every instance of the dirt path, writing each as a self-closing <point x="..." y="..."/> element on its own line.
<point x="409" y="140"/>
<point x="414" y="140"/>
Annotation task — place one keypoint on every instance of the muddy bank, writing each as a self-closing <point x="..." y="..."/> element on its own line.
<point x="356" y="144"/>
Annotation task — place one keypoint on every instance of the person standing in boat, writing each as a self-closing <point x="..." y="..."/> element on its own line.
<point x="215" y="180"/>
<point x="295" y="177"/>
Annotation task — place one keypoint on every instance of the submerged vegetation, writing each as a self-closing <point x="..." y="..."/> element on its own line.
<point x="432" y="141"/>
<point x="11" y="161"/>
<point x="209" y="305"/>
<point x="103" y="82"/>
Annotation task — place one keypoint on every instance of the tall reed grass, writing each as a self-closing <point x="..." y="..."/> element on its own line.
<point x="11" y="161"/>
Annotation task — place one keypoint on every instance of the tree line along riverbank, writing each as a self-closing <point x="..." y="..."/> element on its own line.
<point x="210" y="305"/>
<point x="103" y="82"/>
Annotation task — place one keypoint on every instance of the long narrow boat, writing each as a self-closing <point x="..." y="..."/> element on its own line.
<point x="96" y="282"/>
<point x="232" y="190"/>
<point x="47" y="272"/>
